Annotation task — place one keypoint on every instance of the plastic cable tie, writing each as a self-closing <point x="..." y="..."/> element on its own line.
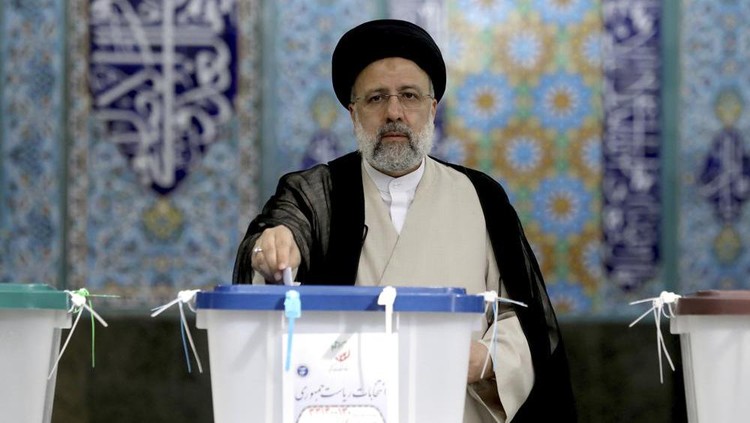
<point x="80" y="300"/>
<point x="184" y="297"/>
<point x="292" y="305"/>
<point x="491" y="298"/>
<point x="658" y="310"/>
<point x="386" y="298"/>
<point x="292" y="311"/>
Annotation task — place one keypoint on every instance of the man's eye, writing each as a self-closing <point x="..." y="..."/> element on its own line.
<point x="377" y="98"/>
<point x="409" y="96"/>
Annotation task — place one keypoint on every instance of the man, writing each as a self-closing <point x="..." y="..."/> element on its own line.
<point x="400" y="217"/>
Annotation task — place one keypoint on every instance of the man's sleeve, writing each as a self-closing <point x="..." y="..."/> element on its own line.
<point x="503" y="395"/>
<point x="301" y="203"/>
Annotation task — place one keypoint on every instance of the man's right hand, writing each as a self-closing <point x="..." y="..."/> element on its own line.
<point x="274" y="251"/>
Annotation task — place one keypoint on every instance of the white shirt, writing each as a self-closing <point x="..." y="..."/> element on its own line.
<point x="397" y="193"/>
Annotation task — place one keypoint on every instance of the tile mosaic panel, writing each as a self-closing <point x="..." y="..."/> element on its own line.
<point x="307" y="125"/>
<point x="714" y="146"/>
<point x="31" y="135"/>
<point x="524" y="105"/>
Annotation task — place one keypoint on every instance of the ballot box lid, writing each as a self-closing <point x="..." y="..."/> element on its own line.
<point x="340" y="298"/>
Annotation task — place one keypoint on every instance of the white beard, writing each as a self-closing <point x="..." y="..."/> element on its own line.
<point x="394" y="157"/>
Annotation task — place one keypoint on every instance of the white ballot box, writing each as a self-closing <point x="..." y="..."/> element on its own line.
<point x="309" y="354"/>
<point x="714" y="329"/>
<point x="31" y="319"/>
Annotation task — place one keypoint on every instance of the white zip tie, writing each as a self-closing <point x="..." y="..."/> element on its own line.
<point x="657" y="307"/>
<point x="491" y="297"/>
<point x="78" y="300"/>
<point x="183" y="297"/>
<point x="386" y="298"/>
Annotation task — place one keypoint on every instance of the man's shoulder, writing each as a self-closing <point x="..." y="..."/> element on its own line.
<point x="474" y="175"/>
<point x="485" y="185"/>
<point x="317" y="175"/>
<point x="313" y="172"/>
<point x="320" y="174"/>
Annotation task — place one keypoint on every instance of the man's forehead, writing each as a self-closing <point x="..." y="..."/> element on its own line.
<point x="392" y="72"/>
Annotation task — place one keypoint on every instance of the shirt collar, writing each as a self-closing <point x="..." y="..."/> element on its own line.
<point x="407" y="182"/>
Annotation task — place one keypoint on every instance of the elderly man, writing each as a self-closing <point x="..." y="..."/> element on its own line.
<point x="402" y="218"/>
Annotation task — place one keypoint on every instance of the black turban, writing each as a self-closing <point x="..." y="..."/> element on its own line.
<point x="375" y="40"/>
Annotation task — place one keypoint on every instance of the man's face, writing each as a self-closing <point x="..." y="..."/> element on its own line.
<point x="391" y="137"/>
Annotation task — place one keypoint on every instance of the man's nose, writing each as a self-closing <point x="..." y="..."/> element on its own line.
<point x="394" y="109"/>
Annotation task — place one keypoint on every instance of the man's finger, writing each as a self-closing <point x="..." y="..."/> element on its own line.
<point x="279" y="251"/>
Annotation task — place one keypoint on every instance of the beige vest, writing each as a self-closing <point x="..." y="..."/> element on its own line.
<point x="443" y="242"/>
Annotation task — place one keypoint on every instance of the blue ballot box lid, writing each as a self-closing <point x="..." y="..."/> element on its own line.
<point x="339" y="298"/>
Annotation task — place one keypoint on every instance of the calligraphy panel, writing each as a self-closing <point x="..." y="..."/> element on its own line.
<point x="631" y="143"/>
<point x="163" y="78"/>
<point x="714" y="147"/>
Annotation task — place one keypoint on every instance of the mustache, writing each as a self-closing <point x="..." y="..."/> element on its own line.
<point x="397" y="127"/>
